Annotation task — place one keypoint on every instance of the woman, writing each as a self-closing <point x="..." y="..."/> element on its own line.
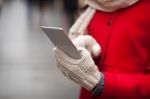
<point x="118" y="31"/>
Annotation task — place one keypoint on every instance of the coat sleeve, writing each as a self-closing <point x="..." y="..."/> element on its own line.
<point x="126" y="86"/>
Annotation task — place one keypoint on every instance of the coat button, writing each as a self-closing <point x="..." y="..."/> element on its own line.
<point x="109" y="22"/>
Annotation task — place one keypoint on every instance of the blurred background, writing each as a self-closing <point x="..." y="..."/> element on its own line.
<point x="27" y="65"/>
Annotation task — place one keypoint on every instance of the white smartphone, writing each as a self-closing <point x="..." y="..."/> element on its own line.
<point x="60" y="39"/>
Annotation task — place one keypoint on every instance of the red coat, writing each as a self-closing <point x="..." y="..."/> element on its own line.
<point x="124" y="36"/>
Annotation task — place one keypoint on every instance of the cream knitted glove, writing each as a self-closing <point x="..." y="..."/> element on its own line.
<point x="89" y="43"/>
<point x="82" y="71"/>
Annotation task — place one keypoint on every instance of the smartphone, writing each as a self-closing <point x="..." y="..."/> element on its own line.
<point x="61" y="40"/>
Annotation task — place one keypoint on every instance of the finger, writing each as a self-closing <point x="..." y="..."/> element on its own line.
<point x="92" y="46"/>
<point x="59" y="54"/>
<point x="89" y="43"/>
<point x="79" y="41"/>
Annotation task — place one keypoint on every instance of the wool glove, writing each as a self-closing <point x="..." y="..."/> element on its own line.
<point x="89" y="43"/>
<point x="82" y="71"/>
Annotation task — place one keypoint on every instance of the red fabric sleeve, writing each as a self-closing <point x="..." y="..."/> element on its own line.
<point x="125" y="86"/>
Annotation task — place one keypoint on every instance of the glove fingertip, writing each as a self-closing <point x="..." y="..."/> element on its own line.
<point x="96" y="50"/>
<point x="54" y="49"/>
<point x="57" y="51"/>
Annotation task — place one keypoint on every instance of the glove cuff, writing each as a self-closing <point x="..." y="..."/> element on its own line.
<point x="97" y="90"/>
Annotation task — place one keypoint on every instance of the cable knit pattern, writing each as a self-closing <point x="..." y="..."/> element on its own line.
<point x="82" y="71"/>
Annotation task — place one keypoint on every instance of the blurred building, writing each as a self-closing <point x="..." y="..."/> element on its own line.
<point x="71" y="9"/>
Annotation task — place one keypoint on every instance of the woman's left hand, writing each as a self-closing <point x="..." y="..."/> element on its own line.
<point x="82" y="71"/>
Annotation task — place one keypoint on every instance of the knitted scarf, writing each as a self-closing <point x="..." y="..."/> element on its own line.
<point x="80" y="26"/>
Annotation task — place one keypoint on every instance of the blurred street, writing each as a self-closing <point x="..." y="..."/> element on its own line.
<point x="27" y="64"/>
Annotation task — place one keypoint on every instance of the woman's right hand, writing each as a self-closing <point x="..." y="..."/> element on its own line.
<point x="89" y="43"/>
